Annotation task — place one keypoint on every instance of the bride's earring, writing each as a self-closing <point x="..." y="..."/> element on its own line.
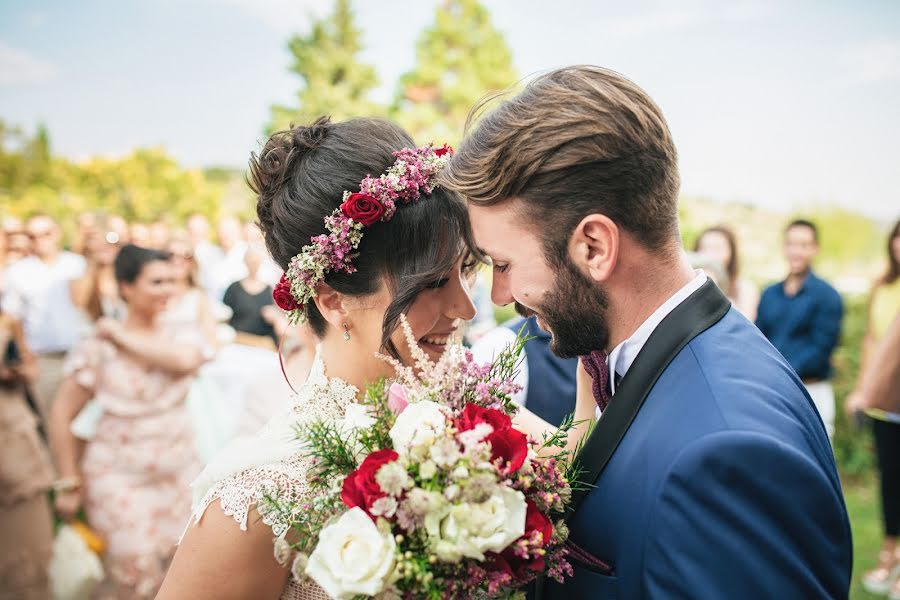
<point x="346" y="332"/>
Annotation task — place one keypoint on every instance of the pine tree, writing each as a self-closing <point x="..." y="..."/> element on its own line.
<point x="459" y="59"/>
<point x="334" y="81"/>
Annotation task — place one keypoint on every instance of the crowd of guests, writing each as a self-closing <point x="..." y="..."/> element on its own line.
<point x="134" y="352"/>
<point x="130" y="357"/>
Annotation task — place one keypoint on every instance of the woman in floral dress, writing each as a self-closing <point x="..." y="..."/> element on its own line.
<point x="133" y="478"/>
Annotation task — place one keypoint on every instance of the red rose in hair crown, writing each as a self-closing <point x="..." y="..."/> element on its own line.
<point x="363" y="208"/>
<point x="283" y="296"/>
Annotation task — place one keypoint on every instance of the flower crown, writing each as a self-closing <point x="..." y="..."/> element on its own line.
<point x="412" y="175"/>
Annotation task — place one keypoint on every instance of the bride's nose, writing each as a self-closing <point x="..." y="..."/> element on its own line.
<point x="459" y="304"/>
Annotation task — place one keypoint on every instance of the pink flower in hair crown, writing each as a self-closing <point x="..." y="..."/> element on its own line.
<point x="413" y="175"/>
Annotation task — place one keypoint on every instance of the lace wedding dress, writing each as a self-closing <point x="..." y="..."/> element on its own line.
<point x="272" y="463"/>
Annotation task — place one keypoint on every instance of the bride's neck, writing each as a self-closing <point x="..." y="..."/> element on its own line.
<point x="345" y="361"/>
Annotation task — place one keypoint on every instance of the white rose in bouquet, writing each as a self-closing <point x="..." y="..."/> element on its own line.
<point x="471" y="529"/>
<point x="356" y="418"/>
<point x="352" y="557"/>
<point x="417" y="427"/>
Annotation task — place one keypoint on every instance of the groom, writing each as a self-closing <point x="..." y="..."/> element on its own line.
<point x="713" y="476"/>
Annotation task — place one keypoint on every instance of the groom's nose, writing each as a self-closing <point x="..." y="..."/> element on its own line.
<point x="501" y="294"/>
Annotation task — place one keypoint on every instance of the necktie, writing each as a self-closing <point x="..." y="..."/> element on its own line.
<point x="595" y="364"/>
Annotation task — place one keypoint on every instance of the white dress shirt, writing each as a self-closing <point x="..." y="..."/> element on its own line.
<point x="37" y="294"/>
<point x="623" y="355"/>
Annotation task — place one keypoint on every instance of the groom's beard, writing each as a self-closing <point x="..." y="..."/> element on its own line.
<point x="575" y="312"/>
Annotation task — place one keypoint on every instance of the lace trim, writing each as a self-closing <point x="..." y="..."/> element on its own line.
<point x="280" y="467"/>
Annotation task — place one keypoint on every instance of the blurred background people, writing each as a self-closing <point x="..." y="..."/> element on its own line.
<point x="139" y="234"/>
<point x="231" y="267"/>
<point x="874" y="388"/>
<point x="720" y="244"/>
<point x="36" y="294"/>
<point x="14" y="246"/>
<point x="248" y="299"/>
<point x="26" y="474"/>
<point x="133" y="478"/>
<point x="802" y="315"/>
<point x="206" y="253"/>
<point x="158" y="234"/>
<point x="96" y="292"/>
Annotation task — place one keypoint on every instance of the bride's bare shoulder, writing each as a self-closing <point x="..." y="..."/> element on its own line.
<point x="217" y="559"/>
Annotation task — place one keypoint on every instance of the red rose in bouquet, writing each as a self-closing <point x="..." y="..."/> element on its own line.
<point x="283" y="296"/>
<point x="363" y="208"/>
<point x="510" y="445"/>
<point x="443" y="150"/>
<point x="507" y="443"/>
<point x="474" y="415"/>
<point x="360" y="487"/>
<point x="535" y="520"/>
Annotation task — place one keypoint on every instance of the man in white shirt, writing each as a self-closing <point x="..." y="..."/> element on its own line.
<point x="37" y="294"/>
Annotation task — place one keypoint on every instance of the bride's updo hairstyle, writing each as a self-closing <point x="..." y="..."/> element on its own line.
<point x="300" y="177"/>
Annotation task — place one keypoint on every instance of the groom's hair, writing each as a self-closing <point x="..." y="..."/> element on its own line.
<point x="576" y="141"/>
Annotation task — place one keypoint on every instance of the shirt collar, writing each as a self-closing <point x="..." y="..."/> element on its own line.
<point x="623" y="355"/>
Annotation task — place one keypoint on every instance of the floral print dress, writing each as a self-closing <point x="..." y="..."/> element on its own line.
<point x="138" y="467"/>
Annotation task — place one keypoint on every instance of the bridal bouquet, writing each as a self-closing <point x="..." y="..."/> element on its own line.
<point x="426" y="490"/>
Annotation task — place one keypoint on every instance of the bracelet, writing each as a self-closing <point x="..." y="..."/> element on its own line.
<point x="67" y="484"/>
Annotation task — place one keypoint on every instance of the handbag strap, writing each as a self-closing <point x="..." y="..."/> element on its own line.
<point x="700" y="311"/>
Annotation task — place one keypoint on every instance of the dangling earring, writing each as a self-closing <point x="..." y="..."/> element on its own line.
<point x="346" y="332"/>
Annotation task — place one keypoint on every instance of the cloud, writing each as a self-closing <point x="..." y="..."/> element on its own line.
<point x="284" y="16"/>
<point x="19" y="67"/>
<point x="874" y="61"/>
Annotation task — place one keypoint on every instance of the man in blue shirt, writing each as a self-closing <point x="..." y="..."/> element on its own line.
<point x="802" y="315"/>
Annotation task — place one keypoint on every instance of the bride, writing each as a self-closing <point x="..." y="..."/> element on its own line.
<point x="411" y="257"/>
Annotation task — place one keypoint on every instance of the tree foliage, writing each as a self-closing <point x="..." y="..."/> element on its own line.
<point x="460" y="58"/>
<point x="143" y="186"/>
<point x="333" y="80"/>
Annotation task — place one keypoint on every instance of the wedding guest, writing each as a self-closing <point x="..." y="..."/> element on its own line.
<point x="134" y="476"/>
<point x="247" y="300"/>
<point x="876" y="388"/>
<point x="802" y="316"/>
<point x="139" y="235"/>
<point x="96" y="292"/>
<point x="231" y="268"/>
<point x="269" y="271"/>
<point x="190" y="307"/>
<point x="26" y="475"/>
<point x="720" y="244"/>
<point x="159" y="235"/>
<point x="16" y="246"/>
<point x="87" y="221"/>
<point x="207" y="254"/>
<point x="548" y="381"/>
<point x="36" y="294"/>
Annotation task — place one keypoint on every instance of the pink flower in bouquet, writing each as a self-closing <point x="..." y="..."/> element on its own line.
<point x="360" y="487"/>
<point x="397" y="401"/>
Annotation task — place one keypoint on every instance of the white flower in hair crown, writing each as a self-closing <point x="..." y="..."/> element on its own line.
<point x="412" y="175"/>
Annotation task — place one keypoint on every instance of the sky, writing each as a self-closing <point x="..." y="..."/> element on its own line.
<point x="781" y="104"/>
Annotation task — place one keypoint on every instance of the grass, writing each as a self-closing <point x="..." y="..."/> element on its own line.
<point x="864" y="506"/>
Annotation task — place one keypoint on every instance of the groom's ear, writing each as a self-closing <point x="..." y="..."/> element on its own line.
<point x="594" y="246"/>
<point x="331" y="304"/>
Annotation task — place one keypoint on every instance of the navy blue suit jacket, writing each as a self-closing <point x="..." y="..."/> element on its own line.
<point x="724" y="486"/>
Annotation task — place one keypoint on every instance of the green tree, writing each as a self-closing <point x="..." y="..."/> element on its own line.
<point x="334" y="81"/>
<point x="459" y="59"/>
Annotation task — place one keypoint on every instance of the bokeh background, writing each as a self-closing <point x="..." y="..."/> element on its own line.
<point x="779" y="109"/>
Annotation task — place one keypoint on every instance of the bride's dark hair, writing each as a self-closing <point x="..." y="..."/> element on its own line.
<point x="300" y="177"/>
